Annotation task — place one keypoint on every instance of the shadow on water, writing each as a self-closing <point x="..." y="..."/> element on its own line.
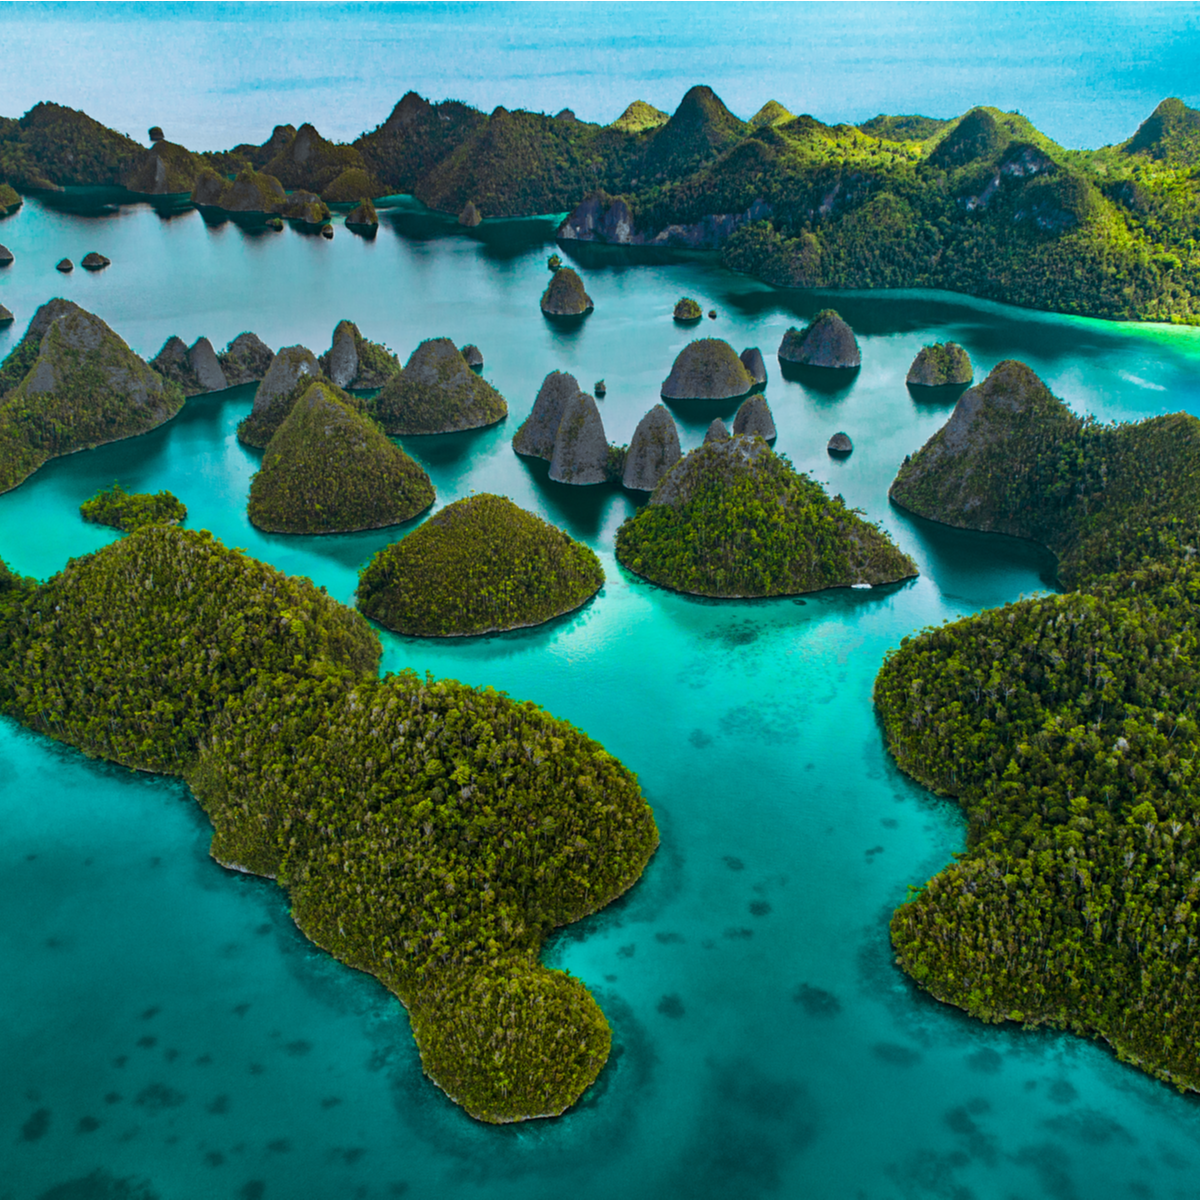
<point x="936" y="397"/>
<point x="959" y="558"/>
<point x="579" y="509"/>
<point x="596" y="256"/>
<point x="86" y="201"/>
<point x="698" y="415"/>
<point x="444" y="449"/>
<point x="821" y="381"/>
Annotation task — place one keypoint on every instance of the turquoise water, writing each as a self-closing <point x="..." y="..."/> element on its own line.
<point x="162" y="1020"/>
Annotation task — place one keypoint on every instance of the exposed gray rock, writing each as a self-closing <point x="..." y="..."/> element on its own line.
<point x="718" y="431"/>
<point x="5" y="315"/>
<point x="566" y="297"/>
<point x="680" y="483"/>
<point x="754" y="417"/>
<point x="840" y="443"/>
<point x="707" y="369"/>
<point x="601" y="389"/>
<point x="245" y="360"/>
<point x="64" y="265"/>
<point x="472" y="355"/>
<point x="277" y="393"/>
<point x="94" y="261"/>
<point x="539" y="429"/>
<point x="341" y="364"/>
<point x="752" y="360"/>
<point x="6" y="256"/>
<point x="327" y="232"/>
<point x="202" y="358"/>
<point x="653" y="451"/>
<point x="940" y="365"/>
<point x="306" y="207"/>
<point x="362" y="215"/>
<point x="580" y="446"/>
<point x="827" y="342"/>
<point x="171" y="362"/>
<point x="469" y="217"/>
<point x="156" y="133"/>
<point x="436" y="393"/>
<point x="604" y="218"/>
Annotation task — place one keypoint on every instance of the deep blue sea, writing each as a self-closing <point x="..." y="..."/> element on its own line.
<point x="166" y="1031"/>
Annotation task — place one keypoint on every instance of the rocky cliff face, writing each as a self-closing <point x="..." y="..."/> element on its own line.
<point x="653" y="451"/>
<point x="293" y="368"/>
<point x="754" y="417"/>
<point x="245" y="360"/>
<point x="707" y="369"/>
<point x="197" y="370"/>
<point x="580" y="446"/>
<point x="827" y="342"/>
<point x="717" y="431"/>
<point x="538" y="431"/>
<point x="752" y="360"/>
<point x="609" y="219"/>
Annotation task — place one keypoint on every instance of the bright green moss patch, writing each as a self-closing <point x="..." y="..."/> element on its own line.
<point x="10" y="199"/>
<point x="1014" y="459"/>
<point x="688" y="309"/>
<point x="734" y="519"/>
<point x="1066" y="728"/>
<point x="330" y="469"/>
<point x="478" y="566"/>
<point x="131" y="510"/>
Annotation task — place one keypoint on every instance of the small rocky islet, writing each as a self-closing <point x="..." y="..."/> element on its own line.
<point x="355" y="361"/>
<point x="826" y="342"/>
<point x="944" y="364"/>
<point x="565" y="295"/>
<point x="480" y="565"/>
<point x="292" y="369"/>
<point x="707" y="369"/>
<point x="128" y="511"/>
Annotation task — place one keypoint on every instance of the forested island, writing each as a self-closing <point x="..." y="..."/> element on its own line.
<point x="734" y="519"/>
<point x="1065" y="727"/>
<point x="981" y="203"/>
<point x="427" y="832"/>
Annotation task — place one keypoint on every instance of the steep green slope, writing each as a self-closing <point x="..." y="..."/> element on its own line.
<point x="1014" y="459"/>
<point x="330" y="469"/>
<point x="70" y="384"/>
<point x="1065" y="726"/>
<point x="733" y="518"/>
<point x="54" y="146"/>
<point x="480" y="565"/>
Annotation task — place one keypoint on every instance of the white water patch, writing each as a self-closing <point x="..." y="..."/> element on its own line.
<point x="1138" y="381"/>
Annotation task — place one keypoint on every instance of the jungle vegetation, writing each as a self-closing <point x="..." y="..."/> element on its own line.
<point x="735" y="519"/>
<point x="1013" y="458"/>
<point x="983" y="204"/>
<point x="1066" y="727"/>
<point x="330" y="469"/>
<point x="425" y="831"/>
<point x="480" y="565"/>
<point x="128" y="511"/>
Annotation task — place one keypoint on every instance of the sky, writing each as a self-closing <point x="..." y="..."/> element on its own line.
<point x="214" y="75"/>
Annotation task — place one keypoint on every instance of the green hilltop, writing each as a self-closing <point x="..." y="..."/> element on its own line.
<point x="734" y="519"/>
<point x="128" y="511"/>
<point x="328" y="468"/>
<point x="481" y="565"/>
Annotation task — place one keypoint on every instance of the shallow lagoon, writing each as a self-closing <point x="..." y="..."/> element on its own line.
<point x="162" y="1019"/>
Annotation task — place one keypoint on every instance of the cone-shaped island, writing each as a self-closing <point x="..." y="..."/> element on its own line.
<point x="480" y="565"/>
<point x="735" y="519"/>
<point x="437" y="392"/>
<point x="707" y="369"/>
<point x="331" y="469"/>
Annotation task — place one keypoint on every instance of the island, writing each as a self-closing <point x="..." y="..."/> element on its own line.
<point x="734" y="519"/>
<point x="480" y="565"/>
<point x="1014" y="459"/>
<point x="536" y="435"/>
<point x="653" y="451"/>
<point x="1065" y="728"/>
<point x="288" y="377"/>
<point x="437" y="392"/>
<point x="355" y="361"/>
<point x="128" y="511"/>
<point x="827" y="341"/>
<point x="688" y="311"/>
<point x="70" y="384"/>
<point x="754" y="417"/>
<point x="941" y="365"/>
<point x="429" y="833"/>
<point x="707" y="369"/>
<point x="330" y="469"/>
<point x="197" y="369"/>
<point x="565" y="295"/>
